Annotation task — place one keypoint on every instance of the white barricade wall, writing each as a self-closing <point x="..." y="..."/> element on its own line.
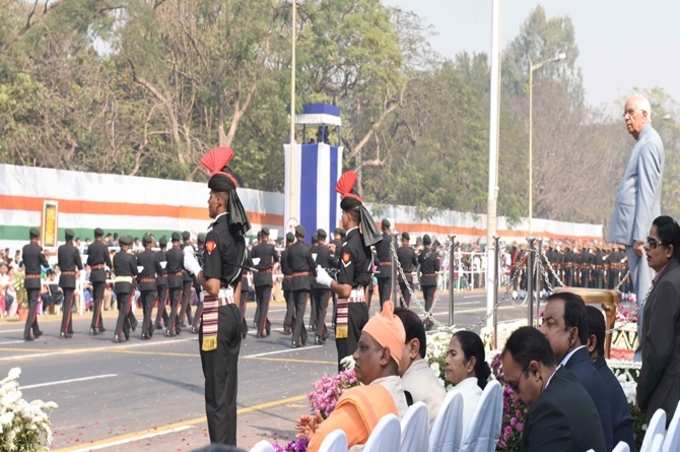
<point x="135" y="205"/>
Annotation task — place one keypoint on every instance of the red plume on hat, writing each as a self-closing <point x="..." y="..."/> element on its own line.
<point x="346" y="184"/>
<point x="216" y="159"/>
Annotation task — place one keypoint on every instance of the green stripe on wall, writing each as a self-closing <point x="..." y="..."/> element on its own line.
<point x="21" y="232"/>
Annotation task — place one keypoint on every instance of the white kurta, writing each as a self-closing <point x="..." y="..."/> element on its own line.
<point x="471" y="393"/>
<point x="424" y="386"/>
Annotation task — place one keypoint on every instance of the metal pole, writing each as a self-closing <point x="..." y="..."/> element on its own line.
<point x="492" y="190"/>
<point x="452" y="260"/>
<point x="292" y="210"/>
<point x="539" y="278"/>
<point x="531" y="148"/>
<point x="530" y="282"/>
<point x="394" y="274"/>
<point x="495" y="295"/>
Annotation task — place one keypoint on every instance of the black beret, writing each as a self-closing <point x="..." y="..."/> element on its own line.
<point x="146" y="239"/>
<point x="427" y="240"/>
<point x="321" y="234"/>
<point x="349" y="203"/>
<point x="69" y="234"/>
<point x="186" y="235"/>
<point x="200" y="237"/>
<point x="290" y="238"/>
<point x="221" y="182"/>
<point x="299" y="230"/>
<point x="98" y="232"/>
<point x="265" y="231"/>
<point x="163" y="241"/>
<point x="33" y="233"/>
<point x="125" y="240"/>
<point x="405" y="236"/>
<point x="175" y="237"/>
<point x="386" y="223"/>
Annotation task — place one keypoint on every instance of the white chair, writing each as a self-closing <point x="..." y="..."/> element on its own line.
<point x="657" y="424"/>
<point x="621" y="447"/>
<point x="414" y="428"/>
<point x="671" y="441"/>
<point x="447" y="429"/>
<point x="486" y="422"/>
<point x="386" y="435"/>
<point x="262" y="446"/>
<point x="335" y="441"/>
<point x="657" y="443"/>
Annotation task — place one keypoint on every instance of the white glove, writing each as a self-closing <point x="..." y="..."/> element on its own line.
<point x="190" y="261"/>
<point x="322" y="277"/>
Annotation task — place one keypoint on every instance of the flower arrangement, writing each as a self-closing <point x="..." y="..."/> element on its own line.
<point x="24" y="426"/>
<point x="327" y="391"/>
<point x="514" y="412"/>
<point x="297" y="445"/>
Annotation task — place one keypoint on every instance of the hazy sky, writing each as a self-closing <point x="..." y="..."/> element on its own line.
<point x="622" y="43"/>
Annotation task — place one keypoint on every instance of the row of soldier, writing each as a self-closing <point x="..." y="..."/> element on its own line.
<point x="158" y="275"/>
<point x="594" y="266"/>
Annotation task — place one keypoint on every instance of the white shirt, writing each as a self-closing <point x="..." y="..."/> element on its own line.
<point x="424" y="386"/>
<point x="471" y="393"/>
<point x="566" y="358"/>
<point x="394" y="387"/>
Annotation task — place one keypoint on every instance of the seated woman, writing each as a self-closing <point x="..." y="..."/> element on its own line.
<point x="359" y="409"/>
<point x="467" y="369"/>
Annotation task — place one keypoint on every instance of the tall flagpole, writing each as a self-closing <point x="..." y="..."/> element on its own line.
<point x="494" y="110"/>
<point x="292" y="174"/>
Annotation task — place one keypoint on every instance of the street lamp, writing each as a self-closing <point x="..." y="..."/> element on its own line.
<point x="533" y="67"/>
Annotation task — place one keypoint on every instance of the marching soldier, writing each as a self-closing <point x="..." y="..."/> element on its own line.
<point x="187" y="282"/>
<point x="124" y="269"/>
<point x="302" y="268"/>
<point x="174" y="268"/>
<point x="285" y="286"/>
<point x="408" y="261"/>
<point x="384" y="256"/>
<point x="428" y="263"/>
<point x="200" y="244"/>
<point x="98" y="259"/>
<point x="263" y="257"/>
<point x="321" y="294"/>
<point x="148" y="259"/>
<point x="355" y="264"/>
<point x="69" y="262"/>
<point x="243" y="301"/>
<point x="33" y="258"/>
<point x="162" y="285"/>
<point x="312" y="307"/>
<point x="225" y="256"/>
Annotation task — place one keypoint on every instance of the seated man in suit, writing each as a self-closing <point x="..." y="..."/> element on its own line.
<point x="623" y="421"/>
<point x="561" y="417"/>
<point x="565" y="324"/>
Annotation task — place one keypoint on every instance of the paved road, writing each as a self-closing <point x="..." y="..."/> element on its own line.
<point x="149" y="394"/>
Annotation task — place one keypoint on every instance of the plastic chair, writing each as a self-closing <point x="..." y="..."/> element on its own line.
<point x="335" y="441"/>
<point x="448" y="426"/>
<point x="671" y="441"/>
<point x="262" y="446"/>
<point x="656" y="425"/>
<point x="414" y="428"/>
<point x="621" y="447"/>
<point x="386" y="435"/>
<point x="486" y="422"/>
<point x="657" y="443"/>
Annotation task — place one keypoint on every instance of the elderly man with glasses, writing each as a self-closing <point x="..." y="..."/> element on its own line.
<point x="638" y="200"/>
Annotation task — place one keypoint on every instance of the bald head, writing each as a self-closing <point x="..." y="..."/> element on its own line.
<point x="637" y="114"/>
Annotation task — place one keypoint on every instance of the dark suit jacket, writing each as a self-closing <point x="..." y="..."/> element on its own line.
<point x="563" y="419"/>
<point x="623" y="421"/>
<point x="584" y="370"/>
<point x="659" y="382"/>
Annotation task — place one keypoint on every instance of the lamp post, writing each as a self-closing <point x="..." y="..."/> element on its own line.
<point x="533" y="67"/>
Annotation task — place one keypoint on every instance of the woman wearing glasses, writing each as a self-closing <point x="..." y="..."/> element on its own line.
<point x="659" y="382"/>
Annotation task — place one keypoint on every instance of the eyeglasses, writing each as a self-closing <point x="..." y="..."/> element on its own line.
<point x="652" y="243"/>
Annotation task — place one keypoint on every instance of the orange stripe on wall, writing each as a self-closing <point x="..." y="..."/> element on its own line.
<point x="199" y="213"/>
<point x="121" y="208"/>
